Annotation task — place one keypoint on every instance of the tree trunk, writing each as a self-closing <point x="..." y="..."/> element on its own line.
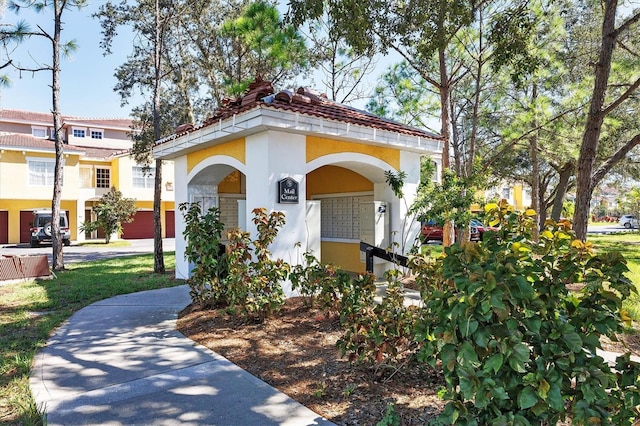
<point x="535" y="168"/>
<point x="56" y="236"/>
<point x="593" y="126"/>
<point x="445" y="106"/>
<point x="565" y="174"/>
<point x="158" y="254"/>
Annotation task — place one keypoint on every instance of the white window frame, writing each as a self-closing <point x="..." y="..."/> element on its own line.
<point x="148" y="179"/>
<point x="79" y="129"/>
<point x="40" y="129"/>
<point x="49" y="171"/>
<point x="96" y="169"/>
<point x="96" y="132"/>
<point x="91" y="179"/>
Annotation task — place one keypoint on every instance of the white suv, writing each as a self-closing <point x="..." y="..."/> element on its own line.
<point x="41" y="227"/>
<point x="628" y="221"/>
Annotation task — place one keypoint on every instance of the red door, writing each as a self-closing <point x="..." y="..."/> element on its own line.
<point x="26" y="219"/>
<point x="170" y="223"/>
<point x="4" y="227"/>
<point x="141" y="227"/>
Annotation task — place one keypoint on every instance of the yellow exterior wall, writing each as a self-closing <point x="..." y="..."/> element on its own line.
<point x="231" y="184"/>
<point x="518" y="195"/>
<point x="318" y="147"/>
<point x="15" y="206"/>
<point x="235" y="148"/>
<point x="344" y="255"/>
<point x="334" y="179"/>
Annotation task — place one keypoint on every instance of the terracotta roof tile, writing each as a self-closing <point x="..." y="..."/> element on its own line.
<point x="26" y="142"/>
<point x="47" y="117"/>
<point x="304" y="101"/>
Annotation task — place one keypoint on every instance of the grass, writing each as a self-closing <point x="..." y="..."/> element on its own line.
<point x="627" y="243"/>
<point x="31" y="309"/>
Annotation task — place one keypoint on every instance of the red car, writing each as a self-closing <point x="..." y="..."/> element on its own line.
<point x="433" y="232"/>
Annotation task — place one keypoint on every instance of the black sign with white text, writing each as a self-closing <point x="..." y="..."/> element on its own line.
<point x="288" y="191"/>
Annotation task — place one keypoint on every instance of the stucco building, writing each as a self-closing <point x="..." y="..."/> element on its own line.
<point x="321" y="163"/>
<point x="96" y="157"/>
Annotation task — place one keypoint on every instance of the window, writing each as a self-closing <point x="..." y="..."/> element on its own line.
<point x="96" y="134"/>
<point x="506" y="193"/>
<point x="86" y="177"/>
<point x="41" y="171"/>
<point x="79" y="133"/>
<point x="103" y="178"/>
<point x="142" y="178"/>
<point x="39" y="132"/>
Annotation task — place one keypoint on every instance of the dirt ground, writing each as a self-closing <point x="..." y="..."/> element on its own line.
<point x="295" y="352"/>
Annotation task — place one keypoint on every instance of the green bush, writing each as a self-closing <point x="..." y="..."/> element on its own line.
<point x="318" y="283"/>
<point x="255" y="280"/>
<point x="243" y="275"/>
<point x="515" y="326"/>
<point x="205" y="252"/>
<point x="380" y="335"/>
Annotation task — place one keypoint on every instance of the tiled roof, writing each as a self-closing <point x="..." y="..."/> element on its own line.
<point x="101" y="153"/>
<point x="303" y="101"/>
<point x="47" y="117"/>
<point x="27" y="142"/>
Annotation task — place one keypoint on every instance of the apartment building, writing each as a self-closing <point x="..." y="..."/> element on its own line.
<point x="96" y="157"/>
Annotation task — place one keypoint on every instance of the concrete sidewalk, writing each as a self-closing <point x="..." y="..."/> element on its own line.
<point x="121" y="361"/>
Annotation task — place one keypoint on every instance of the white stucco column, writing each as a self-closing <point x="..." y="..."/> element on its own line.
<point x="181" y="196"/>
<point x="410" y="164"/>
<point x="270" y="157"/>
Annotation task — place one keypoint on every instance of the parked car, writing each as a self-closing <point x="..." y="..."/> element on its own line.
<point x="41" y="227"/>
<point x="431" y="231"/>
<point x="628" y="221"/>
<point x="481" y="227"/>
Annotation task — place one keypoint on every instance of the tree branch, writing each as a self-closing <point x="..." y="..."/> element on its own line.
<point x="622" y="97"/>
<point x="600" y="173"/>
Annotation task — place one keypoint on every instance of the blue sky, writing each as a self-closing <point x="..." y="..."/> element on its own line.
<point x="87" y="79"/>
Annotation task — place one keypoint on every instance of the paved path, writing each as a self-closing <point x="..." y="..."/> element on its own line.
<point x="121" y="361"/>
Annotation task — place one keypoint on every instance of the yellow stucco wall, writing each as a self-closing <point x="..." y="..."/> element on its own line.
<point x="317" y="147"/>
<point x="334" y="179"/>
<point x="344" y="255"/>
<point x="232" y="183"/>
<point x="235" y="148"/>
<point x="14" y="207"/>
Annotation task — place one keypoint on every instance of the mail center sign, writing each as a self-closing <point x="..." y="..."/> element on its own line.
<point x="288" y="191"/>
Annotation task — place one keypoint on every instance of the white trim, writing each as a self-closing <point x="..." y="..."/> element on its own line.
<point x="95" y="178"/>
<point x="80" y="129"/>
<point x="42" y="128"/>
<point x="51" y="161"/>
<point x="265" y="118"/>
<point x="92" y="129"/>
<point x="216" y="160"/>
<point x="339" y="240"/>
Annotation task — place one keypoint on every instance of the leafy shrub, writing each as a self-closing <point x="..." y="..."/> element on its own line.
<point x="204" y="250"/>
<point x="377" y="334"/>
<point x="516" y="344"/>
<point x="255" y="283"/>
<point x="322" y="284"/>
<point x="234" y="277"/>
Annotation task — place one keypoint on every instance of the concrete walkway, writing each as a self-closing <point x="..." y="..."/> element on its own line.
<point x="121" y="361"/>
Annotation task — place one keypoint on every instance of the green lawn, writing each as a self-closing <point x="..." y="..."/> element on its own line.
<point x="30" y="310"/>
<point x="628" y="243"/>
